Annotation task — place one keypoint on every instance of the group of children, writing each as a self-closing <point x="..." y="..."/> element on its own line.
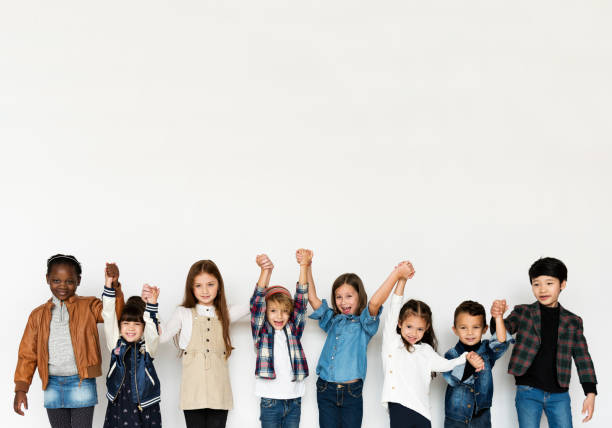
<point x="61" y="340"/>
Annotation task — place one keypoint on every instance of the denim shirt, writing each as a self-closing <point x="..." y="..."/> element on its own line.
<point x="344" y="357"/>
<point x="464" y="399"/>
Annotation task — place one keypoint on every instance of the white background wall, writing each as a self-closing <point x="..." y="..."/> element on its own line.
<point x="471" y="138"/>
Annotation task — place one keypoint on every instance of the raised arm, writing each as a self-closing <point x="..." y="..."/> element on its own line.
<point x="111" y="270"/>
<point x="497" y="312"/>
<point x="151" y="334"/>
<point x="111" y="328"/>
<point x="300" y="304"/>
<point x="258" y="300"/>
<point x="304" y="258"/>
<point x="266" y="266"/>
<point x="405" y="271"/>
<point x="313" y="298"/>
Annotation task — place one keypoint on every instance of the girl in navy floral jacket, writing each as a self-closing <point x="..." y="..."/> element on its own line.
<point x="132" y="383"/>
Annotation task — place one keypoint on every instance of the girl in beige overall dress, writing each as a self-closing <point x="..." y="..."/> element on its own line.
<point x="200" y="327"/>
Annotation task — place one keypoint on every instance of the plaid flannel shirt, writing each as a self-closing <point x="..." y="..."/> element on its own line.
<point x="263" y="334"/>
<point x="525" y="321"/>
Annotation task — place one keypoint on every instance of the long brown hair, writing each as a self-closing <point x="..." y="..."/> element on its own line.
<point x="190" y="301"/>
<point x="354" y="281"/>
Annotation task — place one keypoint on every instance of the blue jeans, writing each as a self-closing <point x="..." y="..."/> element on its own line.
<point x="530" y="402"/>
<point x="482" y="421"/>
<point x="280" y="413"/>
<point x="340" y="404"/>
<point x="65" y="392"/>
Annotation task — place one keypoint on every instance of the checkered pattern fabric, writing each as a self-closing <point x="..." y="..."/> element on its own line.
<point x="525" y="321"/>
<point x="263" y="334"/>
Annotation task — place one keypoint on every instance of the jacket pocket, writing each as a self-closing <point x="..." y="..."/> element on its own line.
<point x="110" y="372"/>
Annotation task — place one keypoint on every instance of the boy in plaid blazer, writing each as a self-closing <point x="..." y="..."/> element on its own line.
<point x="277" y="323"/>
<point x="548" y="336"/>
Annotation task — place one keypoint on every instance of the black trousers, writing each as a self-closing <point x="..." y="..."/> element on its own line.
<point x="403" y="417"/>
<point x="71" y="418"/>
<point x="205" y="418"/>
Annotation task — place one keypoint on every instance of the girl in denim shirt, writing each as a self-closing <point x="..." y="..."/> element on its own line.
<point x="350" y="324"/>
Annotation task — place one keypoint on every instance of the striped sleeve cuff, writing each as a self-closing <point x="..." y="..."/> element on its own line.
<point x="152" y="307"/>
<point x="108" y="292"/>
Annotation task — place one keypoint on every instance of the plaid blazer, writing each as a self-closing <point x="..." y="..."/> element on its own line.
<point x="263" y="334"/>
<point x="525" y="321"/>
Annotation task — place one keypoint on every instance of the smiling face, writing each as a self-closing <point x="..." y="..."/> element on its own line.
<point x="131" y="331"/>
<point x="63" y="281"/>
<point x="469" y="328"/>
<point x="547" y="289"/>
<point x="277" y="314"/>
<point x="412" y="328"/>
<point x="205" y="288"/>
<point x="347" y="299"/>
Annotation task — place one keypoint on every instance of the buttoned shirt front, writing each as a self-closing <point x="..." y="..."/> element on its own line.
<point x="344" y="357"/>
<point x="407" y="374"/>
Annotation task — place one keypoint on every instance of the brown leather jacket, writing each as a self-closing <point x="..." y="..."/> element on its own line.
<point x="84" y="314"/>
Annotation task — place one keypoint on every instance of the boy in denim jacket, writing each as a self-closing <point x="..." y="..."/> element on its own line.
<point x="469" y="394"/>
<point x="548" y="336"/>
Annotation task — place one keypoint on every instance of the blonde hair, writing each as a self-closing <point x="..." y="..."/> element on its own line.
<point x="284" y="301"/>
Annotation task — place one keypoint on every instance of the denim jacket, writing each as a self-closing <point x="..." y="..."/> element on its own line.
<point x="131" y="363"/>
<point x="464" y="399"/>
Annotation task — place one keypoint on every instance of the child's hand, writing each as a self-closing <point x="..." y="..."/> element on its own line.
<point x="304" y="257"/>
<point x="146" y="292"/>
<point x="149" y="293"/>
<point x="111" y="275"/>
<point x="498" y="308"/>
<point x="476" y="361"/>
<point x="264" y="262"/>
<point x="588" y="406"/>
<point x="20" y="398"/>
<point x="405" y="270"/>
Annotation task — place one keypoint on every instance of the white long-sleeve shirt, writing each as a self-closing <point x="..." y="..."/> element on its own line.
<point x="181" y="321"/>
<point x="407" y="375"/>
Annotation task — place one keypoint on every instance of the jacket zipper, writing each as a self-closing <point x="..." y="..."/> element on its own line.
<point x="136" y="379"/>
<point x="122" y="379"/>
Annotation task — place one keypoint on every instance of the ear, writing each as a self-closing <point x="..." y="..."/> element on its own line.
<point x="563" y="284"/>
<point x="47" y="278"/>
<point x="455" y="331"/>
<point x="78" y="281"/>
<point x="484" y="329"/>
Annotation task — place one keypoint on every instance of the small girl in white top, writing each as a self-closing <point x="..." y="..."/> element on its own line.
<point x="201" y="325"/>
<point x="409" y="357"/>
